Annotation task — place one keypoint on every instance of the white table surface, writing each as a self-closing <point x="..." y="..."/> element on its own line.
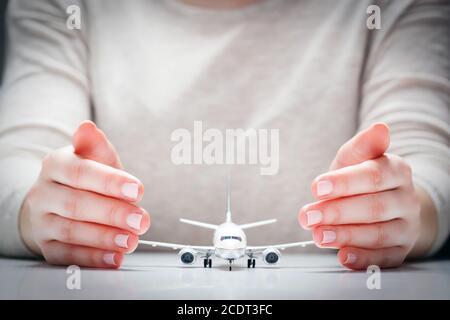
<point x="159" y="275"/>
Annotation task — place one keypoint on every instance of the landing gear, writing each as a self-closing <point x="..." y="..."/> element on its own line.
<point x="231" y="262"/>
<point x="207" y="263"/>
<point x="251" y="263"/>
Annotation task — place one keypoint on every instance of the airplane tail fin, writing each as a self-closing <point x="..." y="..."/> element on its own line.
<point x="257" y="224"/>
<point x="247" y="225"/>
<point x="228" y="218"/>
<point x="209" y="225"/>
<point x="199" y="224"/>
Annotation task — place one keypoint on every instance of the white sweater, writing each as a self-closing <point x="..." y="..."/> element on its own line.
<point x="142" y="69"/>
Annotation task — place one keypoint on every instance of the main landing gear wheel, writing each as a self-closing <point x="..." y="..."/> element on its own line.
<point x="207" y="263"/>
<point x="251" y="263"/>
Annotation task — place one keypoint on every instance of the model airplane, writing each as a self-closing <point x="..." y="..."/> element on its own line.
<point x="230" y="243"/>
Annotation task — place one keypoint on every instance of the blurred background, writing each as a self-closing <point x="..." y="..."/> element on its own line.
<point x="2" y="35"/>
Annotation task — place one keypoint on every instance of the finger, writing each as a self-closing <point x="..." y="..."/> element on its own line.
<point x="367" y="144"/>
<point x="359" y="259"/>
<point x="66" y="168"/>
<point x="89" y="142"/>
<point x="366" y="208"/>
<point x="89" y="234"/>
<point x="87" y="206"/>
<point x="384" y="173"/>
<point x="370" y="236"/>
<point x="58" y="253"/>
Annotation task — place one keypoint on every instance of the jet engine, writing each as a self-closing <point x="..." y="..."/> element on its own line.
<point x="187" y="255"/>
<point x="271" y="256"/>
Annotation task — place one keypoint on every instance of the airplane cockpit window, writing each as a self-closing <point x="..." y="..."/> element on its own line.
<point x="230" y="237"/>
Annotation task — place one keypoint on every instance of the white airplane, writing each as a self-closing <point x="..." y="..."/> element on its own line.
<point x="230" y="243"/>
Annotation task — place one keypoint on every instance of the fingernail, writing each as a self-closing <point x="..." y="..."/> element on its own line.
<point x="351" y="258"/>
<point x="130" y="190"/>
<point x="324" y="187"/>
<point x="314" y="217"/>
<point x="121" y="240"/>
<point x="328" y="236"/>
<point x="108" y="258"/>
<point x="134" y="220"/>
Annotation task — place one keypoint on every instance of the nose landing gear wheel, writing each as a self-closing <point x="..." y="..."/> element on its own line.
<point x="207" y="263"/>
<point x="251" y="263"/>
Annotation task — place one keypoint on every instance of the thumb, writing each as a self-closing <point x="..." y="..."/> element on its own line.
<point x="368" y="144"/>
<point x="89" y="142"/>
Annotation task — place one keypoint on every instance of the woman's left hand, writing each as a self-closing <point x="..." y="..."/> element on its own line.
<point x="366" y="204"/>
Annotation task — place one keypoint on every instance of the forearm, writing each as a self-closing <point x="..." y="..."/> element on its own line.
<point x="38" y="110"/>
<point x="17" y="174"/>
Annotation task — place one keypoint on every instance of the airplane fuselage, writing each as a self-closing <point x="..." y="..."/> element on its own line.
<point x="229" y="241"/>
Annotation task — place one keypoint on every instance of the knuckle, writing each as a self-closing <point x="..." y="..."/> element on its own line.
<point x="346" y="236"/>
<point x="333" y="214"/>
<point x="71" y="205"/>
<point x="66" y="231"/>
<point x="106" y="239"/>
<point x="376" y="208"/>
<point x="375" y="174"/>
<point x="76" y="172"/>
<point x="114" y="214"/>
<point x="109" y="181"/>
<point x="380" y="238"/>
<point x="342" y="181"/>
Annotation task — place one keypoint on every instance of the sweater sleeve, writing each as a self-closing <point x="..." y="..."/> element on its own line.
<point x="406" y="83"/>
<point x="43" y="98"/>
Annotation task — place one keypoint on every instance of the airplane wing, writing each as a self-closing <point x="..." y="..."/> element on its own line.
<point x="282" y="246"/>
<point x="176" y="246"/>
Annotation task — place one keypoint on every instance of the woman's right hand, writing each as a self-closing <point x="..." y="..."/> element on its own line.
<point x="82" y="209"/>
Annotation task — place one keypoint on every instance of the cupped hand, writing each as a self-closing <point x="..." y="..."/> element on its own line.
<point x="83" y="208"/>
<point x="366" y="204"/>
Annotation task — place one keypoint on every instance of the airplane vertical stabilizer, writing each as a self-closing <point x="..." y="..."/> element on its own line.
<point x="228" y="218"/>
